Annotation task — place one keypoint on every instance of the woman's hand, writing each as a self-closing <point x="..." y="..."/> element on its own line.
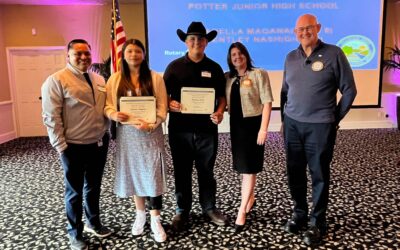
<point x="119" y="116"/>
<point x="262" y="137"/>
<point x="144" y="126"/>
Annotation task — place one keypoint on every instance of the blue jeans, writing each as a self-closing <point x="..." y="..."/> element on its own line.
<point x="83" y="170"/>
<point x="309" y="144"/>
<point x="200" y="148"/>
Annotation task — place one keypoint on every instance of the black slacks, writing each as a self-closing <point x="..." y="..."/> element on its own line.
<point x="309" y="144"/>
<point x="200" y="148"/>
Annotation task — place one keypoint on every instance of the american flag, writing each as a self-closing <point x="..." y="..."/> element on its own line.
<point x="118" y="37"/>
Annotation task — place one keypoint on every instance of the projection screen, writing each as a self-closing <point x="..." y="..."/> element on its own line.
<point x="266" y="29"/>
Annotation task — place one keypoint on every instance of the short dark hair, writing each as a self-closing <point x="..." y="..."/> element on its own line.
<point x="75" y="41"/>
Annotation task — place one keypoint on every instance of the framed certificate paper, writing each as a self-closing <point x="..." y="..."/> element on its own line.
<point x="138" y="107"/>
<point x="197" y="100"/>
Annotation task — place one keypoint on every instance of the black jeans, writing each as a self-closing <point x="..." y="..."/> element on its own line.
<point x="309" y="144"/>
<point x="200" y="148"/>
<point x="83" y="170"/>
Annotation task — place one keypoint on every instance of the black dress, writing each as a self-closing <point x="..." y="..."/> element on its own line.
<point x="248" y="156"/>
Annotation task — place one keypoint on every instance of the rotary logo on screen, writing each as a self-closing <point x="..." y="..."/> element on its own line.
<point x="359" y="50"/>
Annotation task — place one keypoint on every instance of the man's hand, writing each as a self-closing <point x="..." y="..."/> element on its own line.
<point x="217" y="117"/>
<point x="174" y="106"/>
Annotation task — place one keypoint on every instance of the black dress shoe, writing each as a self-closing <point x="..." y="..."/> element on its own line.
<point x="179" y="221"/>
<point x="294" y="227"/>
<point x="313" y="236"/>
<point x="238" y="228"/>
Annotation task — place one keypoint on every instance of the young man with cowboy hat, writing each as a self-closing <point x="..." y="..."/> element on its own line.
<point x="194" y="137"/>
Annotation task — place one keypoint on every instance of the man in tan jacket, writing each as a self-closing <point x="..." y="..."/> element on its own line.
<point x="73" y="100"/>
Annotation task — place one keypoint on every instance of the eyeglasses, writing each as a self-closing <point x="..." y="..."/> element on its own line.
<point x="302" y="29"/>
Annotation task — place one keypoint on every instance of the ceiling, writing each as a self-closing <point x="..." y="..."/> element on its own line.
<point x="66" y="2"/>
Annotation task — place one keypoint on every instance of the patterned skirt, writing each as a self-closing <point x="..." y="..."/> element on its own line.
<point x="140" y="164"/>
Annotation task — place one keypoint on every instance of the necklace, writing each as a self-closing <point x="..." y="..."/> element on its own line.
<point x="239" y="77"/>
<point x="244" y="74"/>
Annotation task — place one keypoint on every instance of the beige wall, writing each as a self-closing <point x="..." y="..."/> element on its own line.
<point x="132" y="16"/>
<point x="4" y="84"/>
<point x="56" y="25"/>
<point x="392" y="35"/>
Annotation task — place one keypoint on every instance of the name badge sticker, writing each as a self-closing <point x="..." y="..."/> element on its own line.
<point x="206" y="74"/>
<point x="101" y="88"/>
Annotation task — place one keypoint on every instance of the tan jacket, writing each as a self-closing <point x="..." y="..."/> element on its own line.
<point x="255" y="90"/>
<point x="159" y="92"/>
<point x="69" y="111"/>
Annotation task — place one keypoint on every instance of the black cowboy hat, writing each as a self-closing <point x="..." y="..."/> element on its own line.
<point x="196" y="28"/>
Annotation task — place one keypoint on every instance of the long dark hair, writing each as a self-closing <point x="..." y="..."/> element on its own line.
<point x="145" y="81"/>
<point x="232" y="71"/>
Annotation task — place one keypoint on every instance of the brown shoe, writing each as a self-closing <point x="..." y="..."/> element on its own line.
<point x="179" y="221"/>
<point x="217" y="217"/>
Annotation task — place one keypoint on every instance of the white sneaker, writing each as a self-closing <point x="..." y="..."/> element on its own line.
<point x="138" y="225"/>
<point x="157" y="229"/>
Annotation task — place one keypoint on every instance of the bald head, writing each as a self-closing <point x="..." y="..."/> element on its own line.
<point x="306" y="18"/>
<point x="306" y="30"/>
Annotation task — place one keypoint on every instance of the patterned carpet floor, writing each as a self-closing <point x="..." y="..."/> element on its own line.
<point x="364" y="211"/>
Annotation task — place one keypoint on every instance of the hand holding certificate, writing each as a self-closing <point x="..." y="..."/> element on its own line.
<point x="138" y="107"/>
<point x="197" y="100"/>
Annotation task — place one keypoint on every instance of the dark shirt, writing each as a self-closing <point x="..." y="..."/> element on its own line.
<point x="183" y="72"/>
<point x="310" y="85"/>
<point x="236" y="103"/>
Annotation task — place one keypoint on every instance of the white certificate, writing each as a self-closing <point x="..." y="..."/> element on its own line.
<point x="138" y="107"/>
<point x="197" y="100"/>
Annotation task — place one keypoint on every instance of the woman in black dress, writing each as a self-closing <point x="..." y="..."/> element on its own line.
<point x="249" y="100"/>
